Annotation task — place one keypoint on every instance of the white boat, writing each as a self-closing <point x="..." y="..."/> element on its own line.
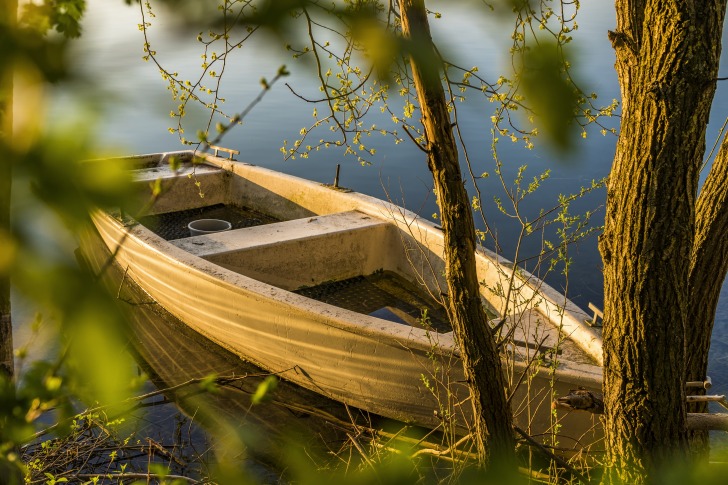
<point x="325" y="287"/>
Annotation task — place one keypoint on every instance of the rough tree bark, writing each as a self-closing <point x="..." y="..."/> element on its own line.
<point x="667" y="63"/>
<point x="494" y="433"/>
<point x="8" y="13"/>
<point x="708" y="268"/>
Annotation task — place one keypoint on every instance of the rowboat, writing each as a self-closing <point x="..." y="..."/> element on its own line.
<point x="176" y="358"/>
<point x="339" y="292"/>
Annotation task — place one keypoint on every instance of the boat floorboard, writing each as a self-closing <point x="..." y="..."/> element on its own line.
<point x="384" y="295"/>
<point x="173" y="225"/>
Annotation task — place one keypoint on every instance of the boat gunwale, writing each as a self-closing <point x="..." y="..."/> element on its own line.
<point x="409" y="337"/>
<point x="338" y="317"/>
<point x="566" y="314"/>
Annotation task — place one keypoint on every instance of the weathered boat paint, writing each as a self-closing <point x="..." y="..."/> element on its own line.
<point x="234" y="288"/>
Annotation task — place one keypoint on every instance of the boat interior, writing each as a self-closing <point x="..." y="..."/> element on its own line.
<point x="346" y="258"/>
<point x="321" y="247"/>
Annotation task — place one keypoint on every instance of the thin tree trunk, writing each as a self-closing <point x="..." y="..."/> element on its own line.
<point x="667" y="63"/>
<point x="8" y="14"/>
<point x="10" y="473"/>
<point x="708" y="268"/>
<point x="479" y="354"/>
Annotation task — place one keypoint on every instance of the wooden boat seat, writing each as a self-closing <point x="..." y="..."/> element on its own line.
<point x="276" y="234"/>
<point x="300" y="252"/>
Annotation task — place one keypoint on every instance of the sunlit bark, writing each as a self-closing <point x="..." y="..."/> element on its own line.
<point x="479" y="354"/>
<point x="667" y="63"/>
<point x="708" y="268"/>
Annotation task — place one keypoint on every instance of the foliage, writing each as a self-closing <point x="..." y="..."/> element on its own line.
<point x="63" y="16"/>
<point x="337" y="41"/>
<point x="356" y="52"/>
<point x="54" y="191"/>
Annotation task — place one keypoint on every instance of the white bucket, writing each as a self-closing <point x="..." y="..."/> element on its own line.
<point x="207" y="226"/>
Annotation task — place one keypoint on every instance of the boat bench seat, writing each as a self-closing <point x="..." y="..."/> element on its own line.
<point x="278" y="233"/>
<point x="301" y="252"/>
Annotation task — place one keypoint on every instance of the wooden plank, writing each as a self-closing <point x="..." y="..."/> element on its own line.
<point x="690" y="399"/>
<point x="706" y="384"/>
<point x="708" y="422"/>
<point x="278" y="233"/>
<point x="598" y="314"/>
<point x="229" y="151"/>
<point x="593" y="402"/>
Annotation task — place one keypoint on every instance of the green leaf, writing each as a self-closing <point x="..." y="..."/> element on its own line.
<point x="158" y="469"/>
<point x="209" y="383"/>
<point x="175" y="163"/>
<point x="265" y="390"/>
<point x="549" y="92"/>
<point x="156" y="187"/>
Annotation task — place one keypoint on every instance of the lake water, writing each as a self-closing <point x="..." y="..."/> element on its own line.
<point x="137" y="106"/>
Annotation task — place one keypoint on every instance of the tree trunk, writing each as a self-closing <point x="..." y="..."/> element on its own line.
<point x="494" y="433"/>
<point x="8" y="14"/>
<point x="667" y="61"/>
<point x="708" y="268"/>
<point x="10" y="473"/>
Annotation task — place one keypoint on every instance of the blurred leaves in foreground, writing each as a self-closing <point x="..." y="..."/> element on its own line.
<point x="84" y="363"/>
<point x="553" y="96"/>
<point x="63" y="16"/>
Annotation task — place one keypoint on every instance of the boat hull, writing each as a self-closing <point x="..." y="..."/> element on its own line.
<point x="402" y="372"/>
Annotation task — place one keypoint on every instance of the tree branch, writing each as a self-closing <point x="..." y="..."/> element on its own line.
<point x="709" y="262"/>
<point x="593" y="402"/>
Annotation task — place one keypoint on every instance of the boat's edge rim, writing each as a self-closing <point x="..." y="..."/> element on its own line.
<point x="389" y="211"/>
